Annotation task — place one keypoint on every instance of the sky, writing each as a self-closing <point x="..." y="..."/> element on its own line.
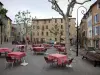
<point x="41" y="8"/>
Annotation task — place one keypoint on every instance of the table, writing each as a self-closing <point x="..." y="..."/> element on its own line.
<point x="19" y="46"/>
<point x="56" y="46"/>
<point x="61" y="49"/>
<point x="39" y="49"/>
<point x="4" y="50"/>
<point x="59" y="57"/>
<point x="36" y="45"/>
<point x="47" y="45"/>
<point x="17" y="55"/>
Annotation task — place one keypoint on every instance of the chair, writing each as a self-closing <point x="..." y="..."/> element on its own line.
<point x="67" y="62"/>
<point x="10" y="60"/>
<point x="22" y="49"/>
<point x="45" y="50"/>
<point x="13" y="50"/>
<point x="49" y="61"/>
<point x="70" y="61"/>
<point x="35" y="51"/>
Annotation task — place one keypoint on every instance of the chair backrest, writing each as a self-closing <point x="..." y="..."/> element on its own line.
<point x="8" y="58"/>
<point x="46" y="59"/>
<point x="13" y="49"/>
<point x="70" y="61"/>
<point x="45" y="50"/>
<point x="22" y="47"/>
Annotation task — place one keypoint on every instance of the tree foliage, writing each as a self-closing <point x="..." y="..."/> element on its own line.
<point x="55" y="30"/>
<point x="23" y="17"/>
<point x="3" y="11"/>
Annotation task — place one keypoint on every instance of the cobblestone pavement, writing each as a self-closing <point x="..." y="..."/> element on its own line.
<point x="37" y="66"/>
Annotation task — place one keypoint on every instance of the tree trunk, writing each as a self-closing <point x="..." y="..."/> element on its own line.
<point x="67" y="44"/>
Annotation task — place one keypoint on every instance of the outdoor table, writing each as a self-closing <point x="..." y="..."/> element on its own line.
<point x="39" y="49"/>
<point x="19" y="46"/>
<point x="56" y="46"/>
<point x="36" y="45"/>
<point x="47" y="45"/>
<point x="59" y="57"/>
<point x="17" y="55"/>
<point x="5" y="50"/>
<point x="61" y="49"/>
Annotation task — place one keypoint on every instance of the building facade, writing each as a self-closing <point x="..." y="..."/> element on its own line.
<point x="92" y="25"/>
<point x="41" y="30"/>
<point x="20" y="31"/>
<point x="6" y="27"/>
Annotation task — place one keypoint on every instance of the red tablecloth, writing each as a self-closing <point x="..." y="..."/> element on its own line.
<point x="36" y="45"/>
<point x="5" y="50"/>
<point x="19" y="46"/>
<point x="56" y="46"/>
<point x="38" y="49"/>
<point x="59" y="57"/>
<point x="47" y="45"/>
<point x="17" y="55"/>
<point x="61" y="49"/>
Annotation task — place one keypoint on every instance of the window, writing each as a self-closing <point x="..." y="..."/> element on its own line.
<point x="96" y="30"/>
<point x="98" y="5"/>
<point x="38" y="33"/>
<point x="61" y="32"/>
<point x="37" y="39"/>
<point x="49" y="21"/>
<point x="69" y="33"/>
<point x="46" y="27"/>
<point x="44" y="21"/>
<point x="33" y="27"/>
<point x="38" y="27"/>
<point x="61" y="20"/>
<point x="90" y="33"/>
<point x="96" y="18"/>
<point x="33" y="33"/>
<point x="55" y="39"/>
<point x="46" y="33"/>
<point x="90" y="23"/>
<point x="42" y="33"/>
<point x="61" y="26"/>
<point x="55" y="20"/>
<point x="42" y="27"/>
<point x="37" y="21"/>
<point x="69" y="26"/>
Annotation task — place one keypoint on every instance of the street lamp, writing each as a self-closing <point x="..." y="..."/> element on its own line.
<point x="82" y="11"/>
<point x="1" y="28"/>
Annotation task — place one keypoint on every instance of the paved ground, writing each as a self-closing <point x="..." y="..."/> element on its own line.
<point x="37" y="66"/>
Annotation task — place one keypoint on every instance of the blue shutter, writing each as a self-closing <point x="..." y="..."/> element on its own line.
<point x="97" y="30"/>
<point x="93" y="31"/>
<point x="97" y="17"/>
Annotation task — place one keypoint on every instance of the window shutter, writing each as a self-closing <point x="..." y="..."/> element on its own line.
<point x="93" y="31"/>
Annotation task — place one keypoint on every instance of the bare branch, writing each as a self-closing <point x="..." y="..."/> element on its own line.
<point x="56" y="7"/>
<point x="82" y="2"/>
<point x="51" y="31"/>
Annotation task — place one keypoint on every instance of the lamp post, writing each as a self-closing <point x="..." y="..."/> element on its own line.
<point x="1" y="29"/>
<point x="82" y="11"/>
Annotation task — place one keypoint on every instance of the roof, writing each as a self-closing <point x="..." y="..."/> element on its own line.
<point x="8" y="17"/>
<point x="49" y="19"/>
<point x="1" y="3"/>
